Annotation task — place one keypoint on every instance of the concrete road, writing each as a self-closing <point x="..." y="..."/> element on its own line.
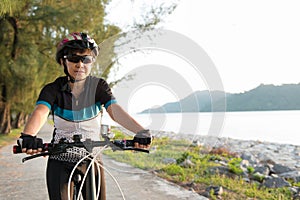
<point x="26" y="181"/>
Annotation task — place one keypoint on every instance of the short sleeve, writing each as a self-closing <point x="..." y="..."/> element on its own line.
<point x="105" y="94"/>
<point x="47" y="96"/>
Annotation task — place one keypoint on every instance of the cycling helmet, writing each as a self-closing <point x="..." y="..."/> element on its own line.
<point x="75" y="41"/>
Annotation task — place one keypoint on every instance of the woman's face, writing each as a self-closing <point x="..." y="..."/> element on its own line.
<point x="79" y="64"/>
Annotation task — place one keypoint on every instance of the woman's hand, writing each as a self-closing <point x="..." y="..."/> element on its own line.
<point x="30" y="144"/>
<point x="143" y="139"/>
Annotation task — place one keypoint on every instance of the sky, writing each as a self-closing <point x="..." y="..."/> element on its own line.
<point x="250" y="43"/>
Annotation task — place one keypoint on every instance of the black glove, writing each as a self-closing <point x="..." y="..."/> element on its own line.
<point x="30" y="142"/>
<point x="143" y="137"/>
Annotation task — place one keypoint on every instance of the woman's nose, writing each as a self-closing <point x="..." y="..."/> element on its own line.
<point x="79" y="64"/>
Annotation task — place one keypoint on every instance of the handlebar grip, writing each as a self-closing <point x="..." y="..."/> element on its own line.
<point x="128" y="145"/>
<point x="18" y="149"/>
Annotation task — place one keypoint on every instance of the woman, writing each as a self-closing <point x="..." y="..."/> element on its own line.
<point x="75" y="102"/>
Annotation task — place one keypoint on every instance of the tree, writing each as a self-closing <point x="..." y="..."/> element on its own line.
<point x="29" y="32"/>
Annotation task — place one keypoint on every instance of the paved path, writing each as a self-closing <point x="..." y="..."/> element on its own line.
<point x="26" y="181"/>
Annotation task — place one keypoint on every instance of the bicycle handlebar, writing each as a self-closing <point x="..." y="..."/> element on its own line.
<point x="50" y="149"/>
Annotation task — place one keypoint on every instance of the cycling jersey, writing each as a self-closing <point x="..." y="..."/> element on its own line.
<point x="73" y="116"/>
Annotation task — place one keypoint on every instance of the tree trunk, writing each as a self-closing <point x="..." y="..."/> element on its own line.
<point x="19" y="120"/>
<point x="5" y="126"/>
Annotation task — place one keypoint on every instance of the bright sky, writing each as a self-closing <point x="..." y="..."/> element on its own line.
<point x="249" y="42"/>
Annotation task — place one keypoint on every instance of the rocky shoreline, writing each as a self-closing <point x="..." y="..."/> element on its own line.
<point x="274" y="165"/>
<point x="267" y="164"/>
<point x="260" y="151"/>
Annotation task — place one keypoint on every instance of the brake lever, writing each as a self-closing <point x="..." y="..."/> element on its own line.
<point x="52" y="150"/>
<point x="35" y="156"/>
<point x="137" y="149"/>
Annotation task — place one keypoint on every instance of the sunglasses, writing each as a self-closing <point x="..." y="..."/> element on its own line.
<point x="76" y="58"/>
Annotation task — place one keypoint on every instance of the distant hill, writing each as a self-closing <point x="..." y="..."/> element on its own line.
<point x="261" y="98"/>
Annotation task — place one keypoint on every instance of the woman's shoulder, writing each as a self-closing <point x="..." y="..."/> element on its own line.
<point x="94" y="78"/>
<point x="57" y="83"/>
<point x="97" y="80"/>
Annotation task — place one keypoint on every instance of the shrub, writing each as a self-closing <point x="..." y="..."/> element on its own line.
<point x="258" y="177"/>
<point x="175" y="170"/>
<point x="234" y="166"/>
<point x="250" y="169"/>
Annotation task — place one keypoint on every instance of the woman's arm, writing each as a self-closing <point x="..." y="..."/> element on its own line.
<point x="142" y="138"/>
<point x="36" y="120"/>
<point x="119" y="115"/>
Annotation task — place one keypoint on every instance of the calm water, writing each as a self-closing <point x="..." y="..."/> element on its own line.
<point x="272" y="126"/>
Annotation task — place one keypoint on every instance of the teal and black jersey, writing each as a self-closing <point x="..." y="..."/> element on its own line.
<point x="59" y="99"/>
<point x="79" y="115"/>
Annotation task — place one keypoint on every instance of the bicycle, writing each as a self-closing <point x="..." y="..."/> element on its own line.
<point x="92" y="193"/>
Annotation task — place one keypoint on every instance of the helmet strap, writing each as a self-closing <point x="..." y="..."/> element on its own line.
<point x="73" y="80"/>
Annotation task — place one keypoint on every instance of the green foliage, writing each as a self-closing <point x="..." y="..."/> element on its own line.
<point x="174" y="170"/>
<point x="212" y="194"/>
<point x="258" y="177"/>
<point x="29" y="33"/>
<point x="194" y="157"/>
<point x="234" y="166"/>
<point x="214" y="157"/>
<point x="162" y="141"/>
<point x="183" y="157"/>
<point x="9" y="7"/>
<point x="296" y="184"/>
<point x="119" y="135"/>
<point x="250" y="169"/>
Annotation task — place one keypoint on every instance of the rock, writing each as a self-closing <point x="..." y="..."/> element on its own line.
<point x="263" y="169"/>
<point x="273" y="147"/>
<point x="219" y="170"/>
<point x="197" y="143"/>
<point x="258" y="177"/>
<point x="169" y="161"/>
<point x="265" y="159"/>
<point x="273" y="163"/>
<point x="290" y="175"/>
<point x="217" y="190"/>
<point x="279" y="169"/>
<point x="296" y="179"/>
<point x="271" y="182"/>
<point x="250" y="157"/>
<point x="296" y="193"/>
<point x="187" y="163"/>
<point x="297" y="165"/>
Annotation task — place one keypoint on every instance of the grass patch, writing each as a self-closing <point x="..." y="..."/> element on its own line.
<point x="197" y="175"/>
<point x="9" y="138"/>
<point x="14" y="135"/>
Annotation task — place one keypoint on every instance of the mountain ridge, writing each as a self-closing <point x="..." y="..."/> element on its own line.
<point x="265" y="97"/>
